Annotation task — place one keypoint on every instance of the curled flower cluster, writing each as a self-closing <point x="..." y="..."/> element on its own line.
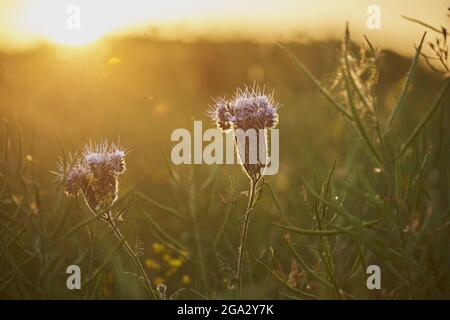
<point x="95" y="173"/>
<point x="248" y="109"/>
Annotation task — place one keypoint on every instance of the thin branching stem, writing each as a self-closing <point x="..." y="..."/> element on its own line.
<point x="133" y="255"/>
<point x="108" y="218"/>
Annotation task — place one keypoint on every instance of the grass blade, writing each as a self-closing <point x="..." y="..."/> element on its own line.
<point x="425" y="120"/>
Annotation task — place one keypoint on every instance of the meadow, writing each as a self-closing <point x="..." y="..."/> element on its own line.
<point x="364" y="173"/>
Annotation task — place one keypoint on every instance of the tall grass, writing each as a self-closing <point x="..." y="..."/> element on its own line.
<point x="398" y="223"/>
<point x="385" y="202"/>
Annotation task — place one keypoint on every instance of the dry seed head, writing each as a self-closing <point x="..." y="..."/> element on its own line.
<point x="364" y="73"/>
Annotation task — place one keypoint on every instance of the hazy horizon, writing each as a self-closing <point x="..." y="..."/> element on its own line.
<point x="25" y="24"/>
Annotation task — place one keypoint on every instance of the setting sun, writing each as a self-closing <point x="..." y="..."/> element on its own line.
<point x="81" y="22"/>
<point x="224" y="151"/>
<point x="27" y="22"/>
<point x="63" y="23"/>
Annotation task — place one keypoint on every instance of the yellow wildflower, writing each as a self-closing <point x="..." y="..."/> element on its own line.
<point x="158" y="248"/>
<point x="175" y="263"/>
<point x="185" y="279"/>
<point x="152" y="264"/>
<point x="158" y="281"/>
<point x="170" y="272"/>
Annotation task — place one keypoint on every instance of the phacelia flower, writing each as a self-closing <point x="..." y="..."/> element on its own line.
<point x="95" y="173"/>
<point x="76" y="179"/>
<point x="249" y="108"/>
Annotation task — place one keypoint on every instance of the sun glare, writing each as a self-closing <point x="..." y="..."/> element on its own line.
<point x="55" y="21"/>
<point x="73" y="38"/>
<point x="273" y="20"/>
<point x="62" y="23"/>
<point x="66" y="23"/>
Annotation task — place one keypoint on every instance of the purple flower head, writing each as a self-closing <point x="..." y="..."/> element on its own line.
<point x="104" y="158"/>
<point x="95" y="173"/>
<point x="72" y="172"/>
<point x="248" y="109"/>
<point x="76" y="179"/>
<point x="117" y="161"/>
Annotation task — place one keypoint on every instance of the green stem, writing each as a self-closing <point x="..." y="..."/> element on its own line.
<point x="244" y="232"/>
<point x="134" y="257"/>
<point x="108" y="218"/>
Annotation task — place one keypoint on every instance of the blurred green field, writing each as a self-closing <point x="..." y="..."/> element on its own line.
<point x="54" y="100"/>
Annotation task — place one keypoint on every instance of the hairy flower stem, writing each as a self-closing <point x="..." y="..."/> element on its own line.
<point x="133" y="255"/>
<point x="244" y="232"/>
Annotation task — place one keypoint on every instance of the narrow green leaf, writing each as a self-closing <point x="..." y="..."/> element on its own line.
<point x="425" y="120"/>
<point x="158" y="205"/>
<point x="321" y="87"/>
<point x="161" y="231"/>
<point x="304" y="265"/>
<point x="327" y="232"/>
<point x="406" y="85"/>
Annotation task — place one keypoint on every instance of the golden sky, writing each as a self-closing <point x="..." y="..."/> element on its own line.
<point x="25" y="23"/>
